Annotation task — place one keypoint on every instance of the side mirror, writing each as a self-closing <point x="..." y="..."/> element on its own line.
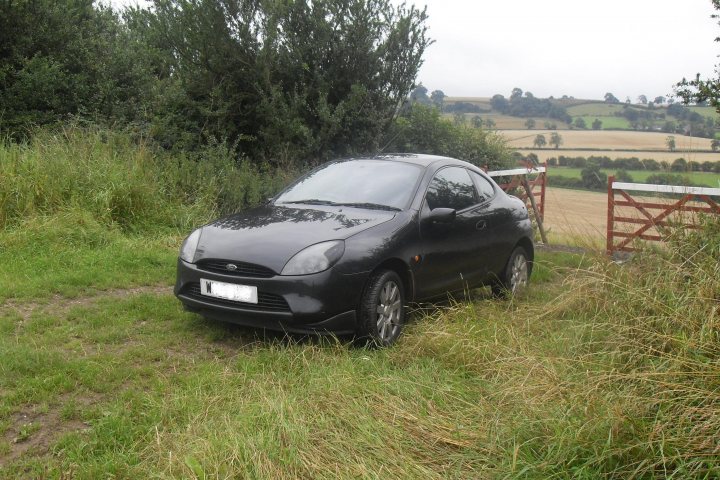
<point x="442" y="215"/>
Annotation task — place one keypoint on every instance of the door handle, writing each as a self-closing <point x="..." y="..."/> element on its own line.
<point x="481" y="225"/>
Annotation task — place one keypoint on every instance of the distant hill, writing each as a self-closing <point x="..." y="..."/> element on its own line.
<point x="587" y="114"/>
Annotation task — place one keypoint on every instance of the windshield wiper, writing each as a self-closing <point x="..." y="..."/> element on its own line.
<point x="371" y="206"/>
<point x="314" y="201"/>
<point x="368" y="205"/>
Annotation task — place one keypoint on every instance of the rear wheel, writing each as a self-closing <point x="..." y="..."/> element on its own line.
<point x="382" y="309"/>
<point x="515" y="276"/>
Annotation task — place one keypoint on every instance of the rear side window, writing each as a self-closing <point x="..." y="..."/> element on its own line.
<point x="451" y="188"/>
<point x="485" y="188"/>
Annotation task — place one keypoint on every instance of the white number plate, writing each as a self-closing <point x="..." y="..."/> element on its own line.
<point x="229" y="291"/>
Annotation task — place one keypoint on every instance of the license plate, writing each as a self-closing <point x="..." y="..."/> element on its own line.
<point x="229" y="291"/>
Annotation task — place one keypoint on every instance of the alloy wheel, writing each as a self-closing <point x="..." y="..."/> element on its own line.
<point x="389" y="310"/>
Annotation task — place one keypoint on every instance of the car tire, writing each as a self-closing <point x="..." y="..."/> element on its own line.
<point x="515" y="276"/>
<point x="382" y="309"/>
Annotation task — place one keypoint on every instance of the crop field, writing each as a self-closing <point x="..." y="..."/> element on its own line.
<point x="595" y="109"/>
<point x="610" y="140"/>
<point x="545" y="153"/>
<point x="576" y="216"/>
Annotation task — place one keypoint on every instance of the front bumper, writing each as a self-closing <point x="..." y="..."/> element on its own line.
<point x="317" y="303"/>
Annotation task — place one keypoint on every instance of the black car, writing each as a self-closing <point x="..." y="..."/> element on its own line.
<point x="347" y="246"/>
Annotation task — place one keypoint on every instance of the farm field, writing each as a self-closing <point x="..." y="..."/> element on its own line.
<point x="609" y="140"/>
<point x="700" y="178"/>
<point x="576" y="216"/>
<point x="545" y="153"/>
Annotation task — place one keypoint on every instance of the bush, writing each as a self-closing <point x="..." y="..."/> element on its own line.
<point x="423" y="130"/>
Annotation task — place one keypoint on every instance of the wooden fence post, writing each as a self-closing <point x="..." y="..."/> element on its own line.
<point x="610" y="215"/>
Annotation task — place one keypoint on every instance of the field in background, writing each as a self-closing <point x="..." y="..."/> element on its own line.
<point x="575" y="217"/>
<point x="698" y="178"/>
<point x="545" y="153"/>
<point x="608" y="140"/>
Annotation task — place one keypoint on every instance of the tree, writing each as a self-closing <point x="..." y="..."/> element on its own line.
<point x="670" y="142"/>
<point x="715" y="144"/>
<point x="593" y="178"/>
<point x="540" y="141"/>
<point x="490" y="123"/>
<point x="642" y="99"/>
<point x="419" y="95"/>
<point x="274" y="78"/>
<point x="556" y="140"/>
<point x="659" y="100"/>
<point x="459" y="118"/>
<point x="477" y="121"/>
<point x="701" y="90"/>
<point x="499" y="103"/>
<point x="530" y="123"/>
<point x="438" y="99"/>
<point x="580" y="123"/>
<point x="516" y="93"/>
<point x="597" y="124"/>
<point x="679" y="165"/>
<point x="610" y="98"/>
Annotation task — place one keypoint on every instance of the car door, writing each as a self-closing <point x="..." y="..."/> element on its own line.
<point x="490" y="245"/>
<point x="448" y="249"/>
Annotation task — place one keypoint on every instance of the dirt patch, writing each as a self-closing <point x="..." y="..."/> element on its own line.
<point x="60" y="304"/>
<point x="34" y="431"/>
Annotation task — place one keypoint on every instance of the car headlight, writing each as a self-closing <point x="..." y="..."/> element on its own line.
<point x="315" y="258"/>
<point x="187" y="251"/>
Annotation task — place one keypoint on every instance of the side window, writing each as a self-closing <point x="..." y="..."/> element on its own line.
<point x="451" y="188"/>
<point x="485" y="188"/>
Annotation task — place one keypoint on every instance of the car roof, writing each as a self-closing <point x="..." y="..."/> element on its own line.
<point x="421" y="159"/>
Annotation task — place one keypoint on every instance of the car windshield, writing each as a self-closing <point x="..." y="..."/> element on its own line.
<point x="377" y="184"/>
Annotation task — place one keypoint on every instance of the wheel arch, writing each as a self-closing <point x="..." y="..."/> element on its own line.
<point x="403" y="271"/>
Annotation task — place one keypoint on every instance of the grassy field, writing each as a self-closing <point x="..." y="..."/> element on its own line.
<point x="610" y="140"/>
<point x="600" y="371"/>
<point x="700" y="178"/>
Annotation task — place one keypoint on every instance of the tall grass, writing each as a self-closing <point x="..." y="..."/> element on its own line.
<point x="125" y="183"/>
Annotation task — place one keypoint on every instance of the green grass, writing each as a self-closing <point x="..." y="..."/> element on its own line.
<point x="595" y="109"/>
<point x="705" y="178"/>
<point x="600" y="371"/>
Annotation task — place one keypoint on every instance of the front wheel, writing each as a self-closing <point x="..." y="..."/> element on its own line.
<point x="382" y="309"/>
<point x="514" y="278"/>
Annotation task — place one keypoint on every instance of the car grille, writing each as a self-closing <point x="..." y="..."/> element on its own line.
<point x="268" y="302"/>
<point x="243" y="269"/>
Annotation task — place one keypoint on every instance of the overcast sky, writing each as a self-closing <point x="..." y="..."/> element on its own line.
<point x="580" y="48"/>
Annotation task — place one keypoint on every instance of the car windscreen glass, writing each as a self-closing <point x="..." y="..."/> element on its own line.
<point x="361" y="183"/>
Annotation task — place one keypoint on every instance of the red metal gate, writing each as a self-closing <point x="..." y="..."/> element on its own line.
<point x="651" y="226"/>
<point x="536" y="177"/>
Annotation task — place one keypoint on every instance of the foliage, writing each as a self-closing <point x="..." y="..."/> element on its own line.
<point x="556" y="140"/>
<point x="540" y="141"/>
<point x="67" y="59"/>
<point x="270" y="78"/>
<point x="592" y="178"/>
<point x="422" y="129"/>
<point x="528" y="105"/>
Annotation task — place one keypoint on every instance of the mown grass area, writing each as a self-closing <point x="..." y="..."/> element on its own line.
<point x="698" y="178"/>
